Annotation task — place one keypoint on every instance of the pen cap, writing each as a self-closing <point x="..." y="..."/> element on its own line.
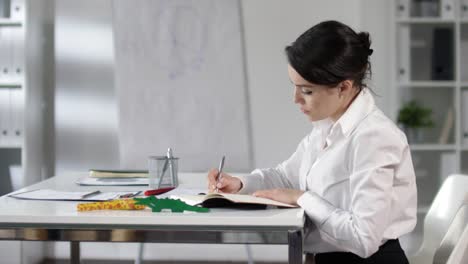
<point x="162" y="172"/>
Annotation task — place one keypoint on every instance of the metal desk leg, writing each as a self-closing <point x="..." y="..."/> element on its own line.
<point x="139" y="257"/>
<point x="295" y="247"/>
<point x="74" y="252"/>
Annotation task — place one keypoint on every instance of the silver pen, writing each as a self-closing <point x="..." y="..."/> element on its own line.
<point x="172" y="168"/>
<point x="166" y="162"/>
<point x="220" y="170"/>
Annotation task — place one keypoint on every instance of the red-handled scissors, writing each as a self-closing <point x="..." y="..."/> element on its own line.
<point x="158" y="191"/>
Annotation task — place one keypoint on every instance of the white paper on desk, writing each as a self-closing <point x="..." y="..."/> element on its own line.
<point x="182" y="191"/>
<point x="89" y="181"/>
<point x="48" y="194"/>
<point x="54" y="195"/>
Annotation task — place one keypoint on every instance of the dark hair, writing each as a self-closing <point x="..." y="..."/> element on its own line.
<point x="331" y="52"/>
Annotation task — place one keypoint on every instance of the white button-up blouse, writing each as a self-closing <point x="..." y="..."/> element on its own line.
<point x="358" y="177"/>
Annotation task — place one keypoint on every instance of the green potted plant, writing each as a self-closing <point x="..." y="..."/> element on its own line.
<point x="413" y="118"/>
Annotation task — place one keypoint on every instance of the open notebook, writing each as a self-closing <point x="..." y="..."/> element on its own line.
<point x="229" y="200"/>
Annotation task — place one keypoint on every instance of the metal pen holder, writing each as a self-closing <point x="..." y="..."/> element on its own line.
<point x="162" y="172"/>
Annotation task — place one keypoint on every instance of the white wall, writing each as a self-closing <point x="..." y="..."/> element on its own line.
<point x="376" y="18"/>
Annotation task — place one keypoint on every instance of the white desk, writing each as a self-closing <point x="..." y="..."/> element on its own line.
<point x="59" y="221"/>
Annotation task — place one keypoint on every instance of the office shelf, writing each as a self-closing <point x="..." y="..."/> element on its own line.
<point x="427" y="84"/>
<point x="11" y="23"/>
<point x="425" y="20"/>
<point x="11" y="146"/>
<point x="10" y="85"/>
<point x="430" y="67"/>
<point x="432" y="147"/>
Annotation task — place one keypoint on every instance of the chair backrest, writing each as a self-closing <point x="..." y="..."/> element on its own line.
<point x="445" y="206"/>
<point x="459" y="253"/>
<point x="453" y="236"/>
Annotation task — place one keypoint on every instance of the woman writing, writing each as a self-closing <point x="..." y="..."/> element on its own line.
<point x="352" y="174"/>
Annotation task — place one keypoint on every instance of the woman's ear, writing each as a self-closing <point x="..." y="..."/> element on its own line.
<point x="346" y="85"/>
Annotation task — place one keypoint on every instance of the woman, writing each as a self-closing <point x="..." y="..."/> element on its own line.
<point x="353" y="173"/>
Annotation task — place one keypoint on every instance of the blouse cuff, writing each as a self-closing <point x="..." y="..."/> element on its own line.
<point x="249" y="183"/>
<point x="317" y="208"/>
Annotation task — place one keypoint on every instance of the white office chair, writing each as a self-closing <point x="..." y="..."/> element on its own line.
<point x="440" y="216"/>
<point x="453" y="237"/>
<point x="459" y="254"/>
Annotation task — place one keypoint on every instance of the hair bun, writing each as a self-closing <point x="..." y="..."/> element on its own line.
<point x="365" y="42"/>
<point x="365" y="39"/>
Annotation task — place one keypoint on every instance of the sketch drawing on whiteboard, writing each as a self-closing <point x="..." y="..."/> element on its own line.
<point x="182" y="37"/>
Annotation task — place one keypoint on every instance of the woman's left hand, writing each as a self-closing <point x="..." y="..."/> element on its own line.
<point x="288" y="196"/>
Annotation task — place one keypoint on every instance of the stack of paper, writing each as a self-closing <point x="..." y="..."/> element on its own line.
<point x="118" y="173"/>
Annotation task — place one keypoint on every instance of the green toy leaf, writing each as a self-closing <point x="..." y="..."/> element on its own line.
<point x="175" y="205"/>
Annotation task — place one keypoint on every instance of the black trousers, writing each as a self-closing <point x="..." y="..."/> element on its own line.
<point x="388" y="253"/>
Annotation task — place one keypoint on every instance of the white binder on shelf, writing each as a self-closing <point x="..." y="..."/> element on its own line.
<point x="17" y="54"/>
<point x="5" y="53"/>
<point x="403" y="9"/>
<point x="447" y="9"/>
<point x="4" y="116"/>
<point x="464" y="117"/>
<point x="404" y="63"/>
<point x="464" y="8"/>
<point x="8" y="71"/>
<point x="17" y="10"/>
<point x="17" y="120"/>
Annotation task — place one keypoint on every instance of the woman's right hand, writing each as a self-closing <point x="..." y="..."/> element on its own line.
<point x="227" y="183"/>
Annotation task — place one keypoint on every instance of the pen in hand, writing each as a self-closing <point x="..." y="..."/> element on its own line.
<point x="220" y="170"/>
